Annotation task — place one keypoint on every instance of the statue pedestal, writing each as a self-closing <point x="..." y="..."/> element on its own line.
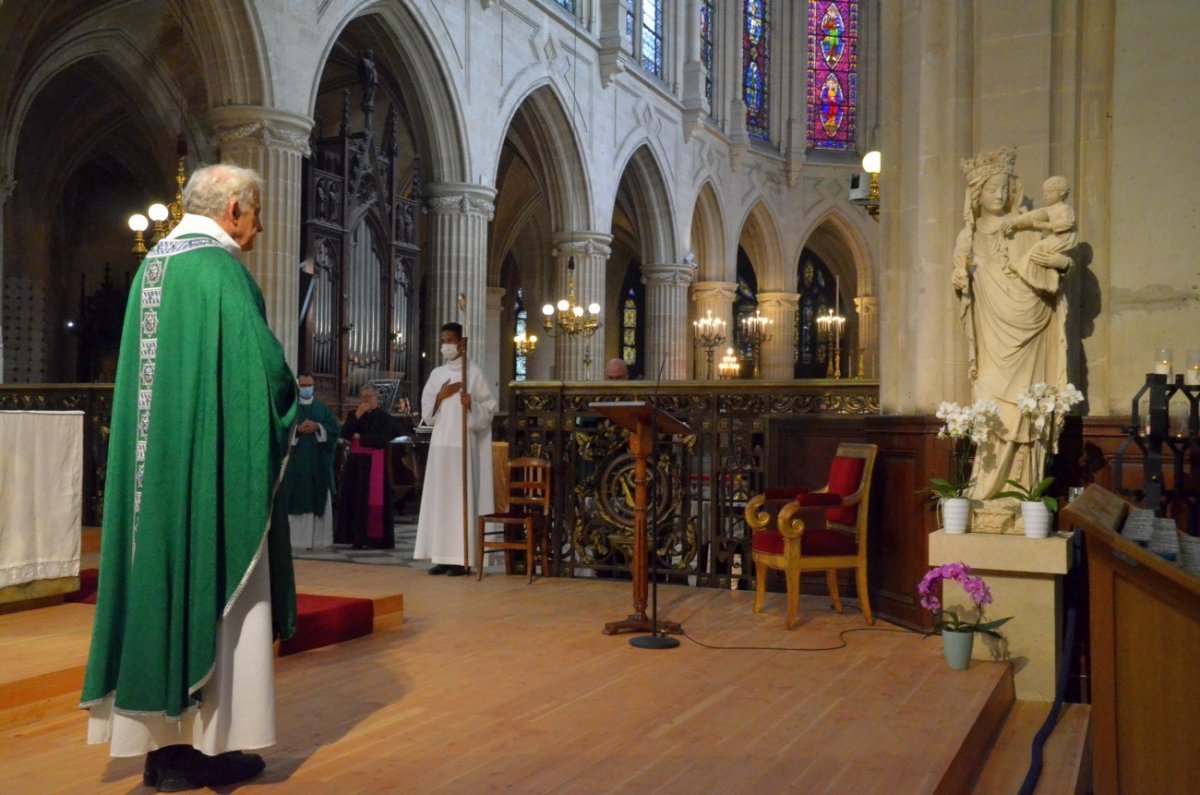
<point x="997" y="516"/>
<point x="1025" y="576"/>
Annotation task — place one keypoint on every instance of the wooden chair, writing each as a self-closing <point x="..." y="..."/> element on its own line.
<point x="524" y="503"/>
<point x="784" y="542"/>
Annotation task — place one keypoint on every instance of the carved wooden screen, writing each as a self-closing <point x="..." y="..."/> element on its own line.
<point x="362" y="237"/>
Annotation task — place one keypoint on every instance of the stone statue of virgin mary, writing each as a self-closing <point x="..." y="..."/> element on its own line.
<point x="1013" y="314"/>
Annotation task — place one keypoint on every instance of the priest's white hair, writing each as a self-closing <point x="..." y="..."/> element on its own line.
<point x="210" y="189"/>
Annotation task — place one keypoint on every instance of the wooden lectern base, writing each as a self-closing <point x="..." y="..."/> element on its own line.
<point x="640" y="622"/>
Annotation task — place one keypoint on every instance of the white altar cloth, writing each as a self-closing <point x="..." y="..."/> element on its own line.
<point x="41" y="495"/>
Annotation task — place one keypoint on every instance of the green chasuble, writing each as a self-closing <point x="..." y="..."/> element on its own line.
<point x="201" y="409"/>
<point x="309" y="476"/>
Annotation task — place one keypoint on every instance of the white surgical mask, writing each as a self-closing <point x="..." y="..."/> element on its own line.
<point x="306" y="392"/>
<point x="449" y="350"/>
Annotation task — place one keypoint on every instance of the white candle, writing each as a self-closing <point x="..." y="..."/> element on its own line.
<point x="1162" y="368"/>
<point x="1192" y="377"/>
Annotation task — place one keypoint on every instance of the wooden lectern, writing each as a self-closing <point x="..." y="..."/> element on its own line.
<point x="643" y="422"/>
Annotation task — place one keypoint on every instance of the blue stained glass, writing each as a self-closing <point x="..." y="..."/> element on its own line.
<point x="756" y="67"/>
<point x="567" y="4"/>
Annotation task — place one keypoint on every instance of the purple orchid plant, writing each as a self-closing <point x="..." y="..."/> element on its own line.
<point x="977" y="590"/>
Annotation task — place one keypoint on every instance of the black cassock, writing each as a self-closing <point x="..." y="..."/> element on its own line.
<point x="365" y="499"/>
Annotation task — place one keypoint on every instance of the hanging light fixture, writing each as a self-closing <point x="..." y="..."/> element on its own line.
<point x="567" y="317"/>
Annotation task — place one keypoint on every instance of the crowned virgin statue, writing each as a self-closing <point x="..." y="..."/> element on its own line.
<point x="1011" y="307"/>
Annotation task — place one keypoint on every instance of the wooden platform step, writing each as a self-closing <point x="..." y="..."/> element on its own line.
<point x="1066" y="757"/>
<point x="29" y="692"/>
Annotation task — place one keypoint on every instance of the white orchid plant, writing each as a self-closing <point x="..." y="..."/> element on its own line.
<point x="1044" y="406"/>
<point x="968" y="427"/>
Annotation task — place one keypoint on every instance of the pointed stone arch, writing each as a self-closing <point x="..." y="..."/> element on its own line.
<point x="760" y="238"/>
<point x="540" y="129"/>
<point x="643" y="187"/>
<point x="708" y="237"/>
<point x="235" y="67"/>
<point x="404" y="41"/>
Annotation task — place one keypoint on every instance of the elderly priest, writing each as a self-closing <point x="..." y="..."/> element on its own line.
<point x="196" y="568"/>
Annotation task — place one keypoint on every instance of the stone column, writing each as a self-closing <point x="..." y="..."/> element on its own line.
<point x="458" y="227"/>
<point x="695" y="102"/>
<point x="779" y="354"/>
<point x="498" y="331"/>
<point x="715" y="297"/>
<point x="590" y="250"/>
<point x="7" y="186"/>
<point x="868" y="337"/>
<point x="666" y="319"/>
<point x="273" y="143"/>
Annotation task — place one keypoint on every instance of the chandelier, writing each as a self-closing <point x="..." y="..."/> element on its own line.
<point x="567" y="317"/>
<point x="165" y="217"/>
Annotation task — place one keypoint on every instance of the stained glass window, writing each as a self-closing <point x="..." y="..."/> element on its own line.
<point x="567" y="4"/>
<point x="706" y="47"/>
<point x="832" y="74"/>
<point x="644" y="26"/>
<point x="520" y="326"/>
<point x="815" y="284"/>
<point x="633" y="311"/>
<point x="756" y="68"/>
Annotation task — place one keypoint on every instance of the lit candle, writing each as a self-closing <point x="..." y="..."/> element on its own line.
<point x="1163" y="360"/>
<point x="1191" y="376"/>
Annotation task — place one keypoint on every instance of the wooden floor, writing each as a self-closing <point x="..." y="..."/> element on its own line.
<point x="502" y="686"/>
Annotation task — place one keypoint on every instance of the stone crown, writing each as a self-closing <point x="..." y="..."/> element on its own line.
<point x="999" y="161"/>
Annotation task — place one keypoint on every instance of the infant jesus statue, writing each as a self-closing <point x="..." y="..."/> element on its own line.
<point x="1057" y="221"/>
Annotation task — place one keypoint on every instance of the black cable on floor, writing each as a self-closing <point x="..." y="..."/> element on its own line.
<point x="841" y="638"/>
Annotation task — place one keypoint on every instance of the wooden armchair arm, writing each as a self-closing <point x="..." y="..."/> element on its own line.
<point x="756" y="518"/>
<point x="791" y="519"/>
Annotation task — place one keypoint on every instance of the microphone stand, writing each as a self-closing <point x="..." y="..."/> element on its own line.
<point x="656" y="639"/>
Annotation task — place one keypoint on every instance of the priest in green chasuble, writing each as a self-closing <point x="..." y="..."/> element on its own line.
<point x="195" y="561"/>
<point x="309" y="480"/>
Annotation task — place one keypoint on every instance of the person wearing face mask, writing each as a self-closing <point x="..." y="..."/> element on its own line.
<point x="364" y="505"/>
<point x="309" y="480"/>
<point x="443" y="404"/>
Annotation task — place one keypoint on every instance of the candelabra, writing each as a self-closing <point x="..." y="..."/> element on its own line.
<point x="829" y="330"/>
<point x="710" y="335"/>
<point x="754" y="331"/>
<point x="729" y="367"/>
<point x="568" y="317"/>
<point x="164" y="216"/>
<point x="524" y="345"/>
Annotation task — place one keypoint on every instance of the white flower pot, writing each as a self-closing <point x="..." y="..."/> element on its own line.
<point x="1037" y="519"/>
<point x="956" y="511"/>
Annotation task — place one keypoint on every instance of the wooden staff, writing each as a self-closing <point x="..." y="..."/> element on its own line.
<point x="466" y="522"/>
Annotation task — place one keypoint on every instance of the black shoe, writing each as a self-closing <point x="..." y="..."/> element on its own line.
<point x="173" y="769"/>
<point x="440" y="568"/>
<point x="230" y="768"/>
<point x="455" y="571"/>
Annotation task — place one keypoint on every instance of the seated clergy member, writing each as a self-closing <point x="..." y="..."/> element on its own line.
<point x="616" y="370"/>
<point x="365" y="505"/>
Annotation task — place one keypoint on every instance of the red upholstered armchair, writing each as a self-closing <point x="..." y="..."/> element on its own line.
<point x="792" y="533"/>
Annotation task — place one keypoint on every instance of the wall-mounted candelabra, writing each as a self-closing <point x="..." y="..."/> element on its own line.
<point x="710" y="335"/>
<point x="568" y="318"/>
<point x="755" y="330"/>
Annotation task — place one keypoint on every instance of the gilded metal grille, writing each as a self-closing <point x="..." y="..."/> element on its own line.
<point x="700" y="484"/>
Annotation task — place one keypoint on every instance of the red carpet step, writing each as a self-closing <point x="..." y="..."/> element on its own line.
<point x="320" y="620"/>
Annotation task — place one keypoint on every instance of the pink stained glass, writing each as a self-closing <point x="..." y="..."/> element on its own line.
<point x="832" y="74"/>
